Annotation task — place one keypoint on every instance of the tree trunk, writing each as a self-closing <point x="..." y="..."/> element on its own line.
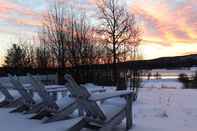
<point x="114" y="65"/>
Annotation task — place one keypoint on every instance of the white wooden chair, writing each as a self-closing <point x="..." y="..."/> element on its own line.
<point x="49" y="106"/>
<point x="8" y="98"/>
<point x="26" y="97"/>
<point x="103" y="116"/>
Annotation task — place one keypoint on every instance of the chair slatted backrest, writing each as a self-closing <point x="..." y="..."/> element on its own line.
<point x="21" y="89"/>
<point x="23" y="79"/>
<point x="52" y="78"/>
<point x="47" y="79"/>
<point x="40" y="88"/>
<point x="5" y="80"/>
<point x="82" y="95"/>
<point x="6" y="93"/>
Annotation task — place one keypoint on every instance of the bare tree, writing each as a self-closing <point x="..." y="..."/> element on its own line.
<point x="117" y="27"/>
<point x="29" y="53"/>
<point x="44" y="56"/>
<point x="68" y="35"/>
<point x="81" y="44"/>
<point x="73" y="47"/>
<point x="54" y="30"/>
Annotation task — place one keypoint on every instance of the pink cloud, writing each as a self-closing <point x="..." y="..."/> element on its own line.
<point x="171" y="25"/>
<point x="8" y="7"/>
<point x="26" y="16"/>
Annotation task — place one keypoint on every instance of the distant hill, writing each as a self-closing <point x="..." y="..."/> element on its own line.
<point x="159" y="63"/>
<point x="165" y="62"/>
<point x="185" y="57"/>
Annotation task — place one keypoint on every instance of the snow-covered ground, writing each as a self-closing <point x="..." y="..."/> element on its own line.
<point x="160" y="109"/>
<point x="20" y="122"/>
<point x="157" y="109"/>
<point x="162" y="83"/>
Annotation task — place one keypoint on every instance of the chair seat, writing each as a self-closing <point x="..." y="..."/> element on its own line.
<point x="65" y="102"/>
<point x="112" y="107"/>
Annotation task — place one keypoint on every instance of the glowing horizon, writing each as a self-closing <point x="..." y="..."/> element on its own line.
<point x="169" y="27"/>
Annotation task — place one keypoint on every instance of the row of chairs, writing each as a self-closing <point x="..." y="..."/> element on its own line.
<point x="88" y="102"/>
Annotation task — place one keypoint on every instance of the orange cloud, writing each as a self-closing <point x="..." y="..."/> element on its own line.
<point x="29" y="22"/>
<point x="1" y="60"/>
<point x="92" y="1"/>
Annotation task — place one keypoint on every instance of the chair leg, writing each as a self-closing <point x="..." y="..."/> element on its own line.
<point x="20" y="109"/>
<point x="109" y="126"/>
<point x="36" y="108"/>
<point x="129" y="112"/>
<point x="42" y="114"/>
<point x="63" y="114"/>
<point x="81" y="111"/>
<point x="4" y="103"/>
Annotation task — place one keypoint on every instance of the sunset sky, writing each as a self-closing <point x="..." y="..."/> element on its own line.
<point x="169" y="26"/>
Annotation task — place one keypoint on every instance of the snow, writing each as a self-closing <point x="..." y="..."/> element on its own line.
<point x="156" y="109"/>
<point x="173" y="73"/>
<point x="13" y="122"/>
<point x="162" y="83"/>
<point x="165" y="110"/>
<point x="108" y="95"/>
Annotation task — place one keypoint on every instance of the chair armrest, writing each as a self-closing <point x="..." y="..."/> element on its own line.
<point x="108" y="95"/>
<point x="94" y="90"/>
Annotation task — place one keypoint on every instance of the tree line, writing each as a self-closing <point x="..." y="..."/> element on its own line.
<point x="67" y="38"/>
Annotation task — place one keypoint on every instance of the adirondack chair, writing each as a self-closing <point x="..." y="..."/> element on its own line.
<point x="59" y="112"/>
<point x="26" y="97"/>
<point x="103" y="116"/>
<point x="8" y="97"/>
<point x="48" y="104"/>
<point x="50" y="107"/>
